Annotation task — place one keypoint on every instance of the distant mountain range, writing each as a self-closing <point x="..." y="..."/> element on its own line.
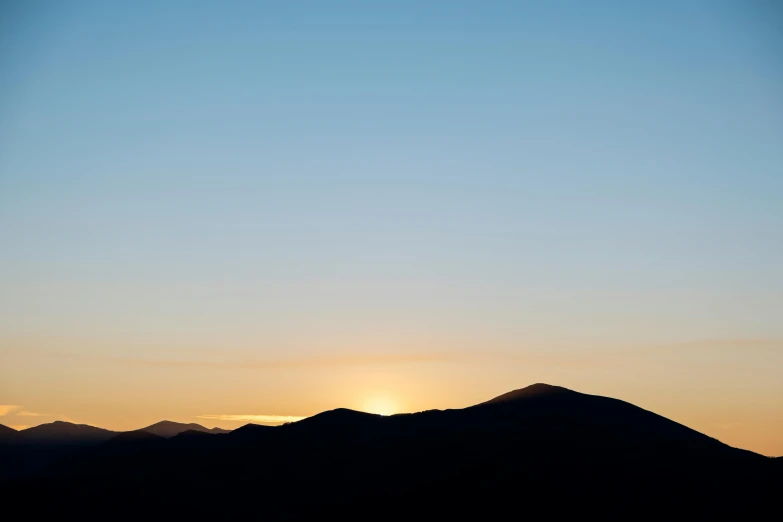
<point x="28" y="452"/>
<point x="538" y="451"/>
<point x="60" y="432"/>
<point x="65" y="433"/>
<point x="168" y="429"/>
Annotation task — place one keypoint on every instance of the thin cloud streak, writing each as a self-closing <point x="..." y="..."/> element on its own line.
<point x="268" y="419"/>
<point x="5" y="409"/>
<point x="24" y="413"/>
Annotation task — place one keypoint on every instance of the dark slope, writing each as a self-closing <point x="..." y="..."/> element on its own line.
<point x="192" y="434"/>
<point x="339" y="424"/>
<point x="250" y="428"/>
<point x="126" y="443"/>
<point x="170" y="429"/>
<point x="559" y="413"/>
<point x="133" y="437"/>
<point x="197" y="441"/>
<point x="106" y="458"/>
<point x="539" y="451"/>
<point x="7" y="434"/>
<point x="250" y="433"/>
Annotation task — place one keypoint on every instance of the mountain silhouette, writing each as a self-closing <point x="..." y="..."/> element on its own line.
<point x="133" y="437"/>
<point x="64" y="433"/>
<point x="527" y="392"/>
<point x="251" y="432"/>
<point x="32" y="450"/>
<point x="538" y="451"/>
<point x="169" y="429"/>
<point x="553" y="411"/>
<point x="190" y="434"/>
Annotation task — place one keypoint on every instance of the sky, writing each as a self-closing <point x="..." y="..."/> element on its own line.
<point x="224" y="212"/>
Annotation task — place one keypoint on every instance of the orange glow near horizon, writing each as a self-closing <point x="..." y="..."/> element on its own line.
<point x="380" y="404"/>
<point x="700" y="385"/>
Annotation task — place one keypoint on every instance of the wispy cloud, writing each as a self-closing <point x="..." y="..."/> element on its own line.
<point x="5" y="409"/>
<point x="25" y="413"/>
<point x="728" y="425"/>
<point x="265" y="419"/>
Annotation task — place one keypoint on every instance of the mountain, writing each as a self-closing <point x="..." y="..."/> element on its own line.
<point x="7" y="433"/>
<point x="33" y="450"/>
<point x="537" y="451"/>
<point x="168" y="429"/>
<point x="128" y="442"/>
<point x="133" y="437"/>
<point x="192" y="434"/>
<point x="64" y="433"/>
<point x="553" y="411"/>
<point x="194" y="439"/>
<point x="251" y="428"/>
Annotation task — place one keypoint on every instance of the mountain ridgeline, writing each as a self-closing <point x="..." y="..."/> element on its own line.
<point x="168" y="429"/>
<point x="540" y="450"/>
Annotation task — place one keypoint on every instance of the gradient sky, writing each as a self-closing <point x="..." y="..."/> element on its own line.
<point x="229" y="209"/>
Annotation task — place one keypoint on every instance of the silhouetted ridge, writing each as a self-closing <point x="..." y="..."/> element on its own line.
<point x="168" y="429"/>
<point x="250" y="433"/>
<point x="339" y="415"/>
<point x="533" y="390"/>
<point x="134" y="436"/>
<point x="251" y="428"/>
<point x="6" y="430"/>
<point x="341" y="424"/>
<point x="193" y="434"/>
<point x="558" y="413"/>
<point x="334" y="418"/>
<point x="60" y="432"/>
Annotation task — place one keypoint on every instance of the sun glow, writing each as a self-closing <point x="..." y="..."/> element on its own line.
<point x="380" y="404"/>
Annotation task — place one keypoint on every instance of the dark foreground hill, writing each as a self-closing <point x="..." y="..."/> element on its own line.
<point x="542" y="451"/>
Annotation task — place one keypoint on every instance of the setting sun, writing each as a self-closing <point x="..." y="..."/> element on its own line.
<point x="380" y="404"/>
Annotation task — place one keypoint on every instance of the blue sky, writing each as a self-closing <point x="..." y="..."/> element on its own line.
<point x="305" y="177"/>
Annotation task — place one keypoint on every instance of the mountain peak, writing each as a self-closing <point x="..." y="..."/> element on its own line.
<point x="337" y="417"/>
<point x="61" y="432"/>
<point x="166" y="423"/>
<point x="534" y="390"/>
